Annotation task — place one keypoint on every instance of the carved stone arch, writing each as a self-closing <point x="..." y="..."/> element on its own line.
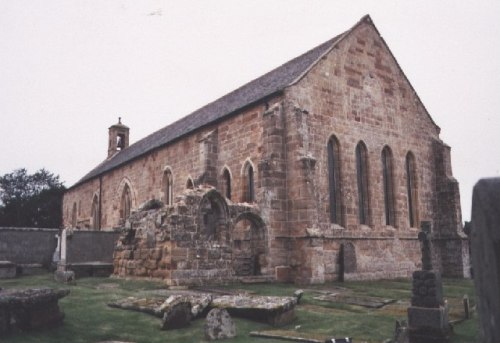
<point x="213" y="217"/>
<point x="248" y="177"/>
<point x="250" y="240"/>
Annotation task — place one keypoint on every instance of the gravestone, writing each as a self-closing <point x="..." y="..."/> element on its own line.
<point x="219" y="325"/>
<point x="428" y="313"/>
<point x="485" y="241"/>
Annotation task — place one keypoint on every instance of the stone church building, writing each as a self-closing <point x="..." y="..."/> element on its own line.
<point x="321" y="169"/>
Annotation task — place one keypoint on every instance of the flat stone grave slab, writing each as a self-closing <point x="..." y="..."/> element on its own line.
<point x="365" y="301"/>
<point x="274" y="310"/>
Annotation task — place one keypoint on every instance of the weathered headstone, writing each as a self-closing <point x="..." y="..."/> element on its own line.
<point x="485" y="240"/>
<point x="219" y="325"/>
<point x="428" y="313"/>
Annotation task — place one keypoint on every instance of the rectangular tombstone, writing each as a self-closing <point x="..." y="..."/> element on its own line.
<point x="485" y="240"/>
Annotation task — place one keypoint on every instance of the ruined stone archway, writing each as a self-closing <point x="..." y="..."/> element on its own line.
<point x="249" y="239"/>
<point x="213" y="217"/>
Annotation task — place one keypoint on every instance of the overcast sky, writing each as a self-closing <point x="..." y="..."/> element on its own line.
<point x="68" y="69"/>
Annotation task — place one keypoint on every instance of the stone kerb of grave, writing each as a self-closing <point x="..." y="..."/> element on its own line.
<point x="30" y="309"/>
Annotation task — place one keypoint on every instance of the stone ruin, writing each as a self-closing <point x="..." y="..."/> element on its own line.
<point x="201" y="238"/>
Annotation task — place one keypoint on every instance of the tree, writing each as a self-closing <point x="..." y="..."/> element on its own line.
<point x="31" y="200"/>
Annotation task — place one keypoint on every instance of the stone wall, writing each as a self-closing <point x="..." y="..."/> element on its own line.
<point x="90" y="246"/>
<point x="28" y="245"/>
<point x="358" y="93"/>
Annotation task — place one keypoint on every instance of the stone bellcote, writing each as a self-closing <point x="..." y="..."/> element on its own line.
<point x="118" y="137"/>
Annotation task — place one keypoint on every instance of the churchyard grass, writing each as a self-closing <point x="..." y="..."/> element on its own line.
<point x="89" y="319"/>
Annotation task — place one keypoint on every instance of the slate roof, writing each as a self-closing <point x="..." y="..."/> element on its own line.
<point x="267" y="85"/>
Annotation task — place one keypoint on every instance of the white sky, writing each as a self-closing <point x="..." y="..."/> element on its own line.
<point x="68" y="69"/>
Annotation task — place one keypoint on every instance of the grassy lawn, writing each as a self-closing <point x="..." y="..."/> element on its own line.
<point x="89" y="319"/>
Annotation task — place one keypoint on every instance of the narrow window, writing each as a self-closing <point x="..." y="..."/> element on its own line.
<point x="94" y="213"/>
<point x="226" y="183"/>
<point x="125" y="204"/>
<point x="412" y="190"/>
<point x="167" y="187"/>
<point x="189" y="184"/>
<point x="388" y="183"/>
<point x="248" y="182"/>
<point x="362" y="176"/>
<point x="73" y="216"/>
<point x="334" y="181"/>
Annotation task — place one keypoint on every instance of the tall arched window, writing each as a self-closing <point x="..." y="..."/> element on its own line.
<point x="126" y="204"/>
<point x="94" y="213"/>
<point x="73" y="215"/>
<point x="412" y="189"/>
<point x="226" y="183"/>
<point x="333" y="150"/>
<point x="388" y="183"/>
<point x="189" y="184"/>
<point x="168" y="185"/>
<point x="362" y="178"/>
<point x="248" y="183"/>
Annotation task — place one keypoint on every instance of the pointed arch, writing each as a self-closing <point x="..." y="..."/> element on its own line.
<point x="388" y="185"/>
<point x="226" y="183"/>
<point x="334" y="188"/>
<point x="125" y="203"/>
<point x="412" y="189"/>
<point x="168" y="186"/>
<point x="248" y="182"/>
<point x="362" y="181"/>
<point x="95" y="220"/>
<point x="189" y="183"/>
